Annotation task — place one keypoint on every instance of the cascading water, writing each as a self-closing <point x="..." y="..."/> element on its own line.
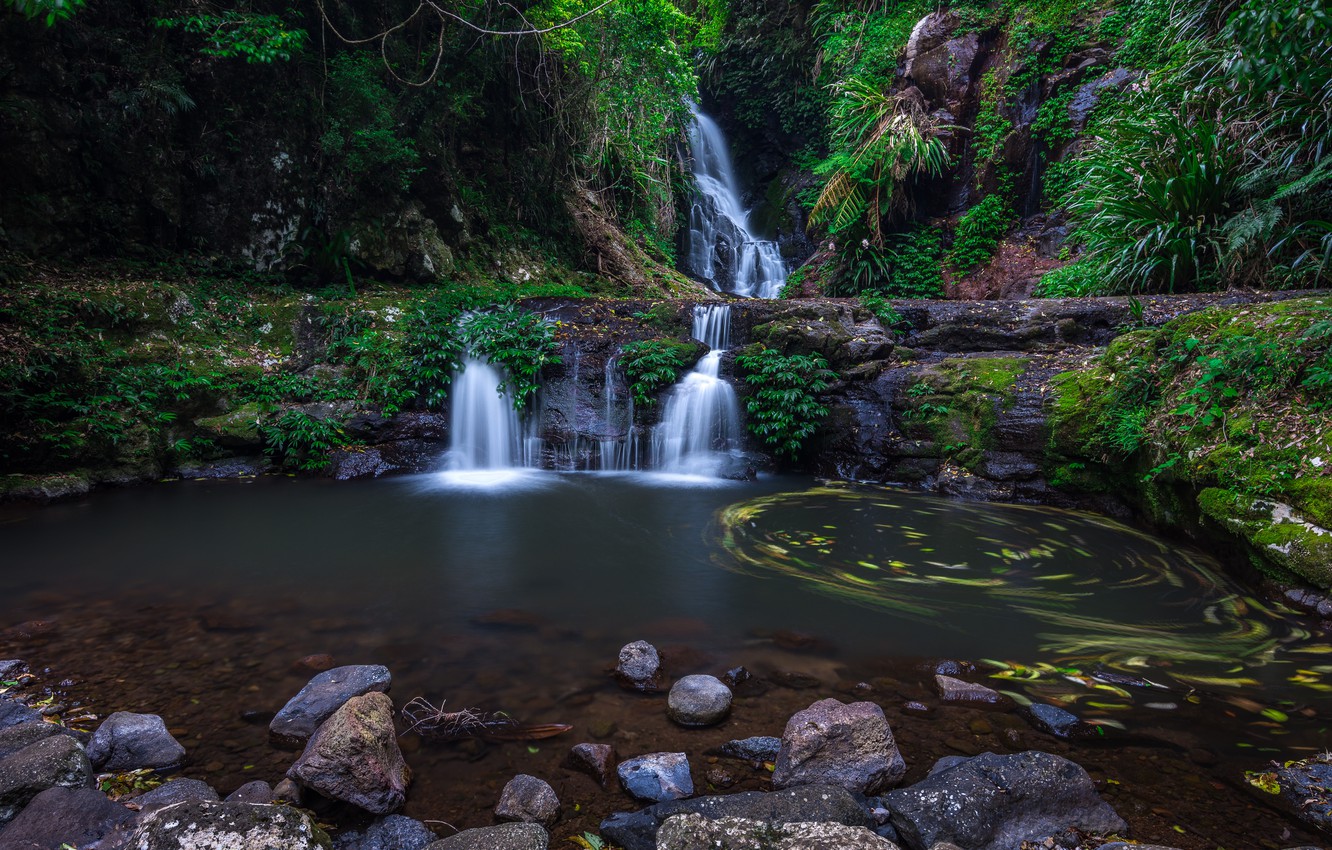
<point x="720" y="248"/>
<point x="616" y="453"/>
<point x="700" y="423"/>
<point x="483" y="425"/>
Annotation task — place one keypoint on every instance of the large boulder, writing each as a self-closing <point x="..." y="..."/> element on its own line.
<point x="235" y="826"/>
<point x="394" y="832"/>
<point x="657" y="776"/>
<point x="698" y="701"/>
<point x="64" y="817"/>
<point x="529" y="800"/>
<point x="695" y="832"/>
<point x="15" y="738"/>
<point x="13" y="712"/>
<point x="807" y="804"/>
<point x="354" y="757"/>
<point x="508" y="836"/>
<point x="833" y="743"/>
<point x="128" y="741"/>
<point x="993" y="802"/>
<point x="323" y="695"/>
<point x="50" y="763"/>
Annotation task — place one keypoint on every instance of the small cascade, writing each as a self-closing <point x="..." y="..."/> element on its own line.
<point x="720" y="248"/>
<point x="700" y="423"/>
<point x="485" y="434"/>
<point x="616" y="453"/>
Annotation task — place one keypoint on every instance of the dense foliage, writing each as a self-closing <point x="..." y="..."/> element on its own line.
<point x="784" y="408"/>
<point x="650" y="365"/>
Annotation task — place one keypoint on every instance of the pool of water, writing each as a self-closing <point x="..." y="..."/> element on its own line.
<point x="513" y="592"/>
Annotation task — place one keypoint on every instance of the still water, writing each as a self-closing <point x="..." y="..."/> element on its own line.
<point x="513" y="591"/>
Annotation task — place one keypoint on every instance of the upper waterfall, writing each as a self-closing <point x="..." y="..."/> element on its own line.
<point x="720" y="247"/>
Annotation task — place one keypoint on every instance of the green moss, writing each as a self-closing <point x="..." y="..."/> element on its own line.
<point x="1279" y="537"/>
<point x="240" y="427"/>
<point x="956" y="403"/>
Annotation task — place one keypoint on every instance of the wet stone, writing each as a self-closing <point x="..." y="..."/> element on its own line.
<point x="918" y="709"/>
<point x="1058" y="722"/>
<point x="176" y="791"/>
<point x="129" y="741"/>
<point x="528" y="799"/>
<point x="15" y="738"/>
<point x="65" y="817"/>
<point x="258" y="791"/>
<point x="657" y="776"/>
<point x="50" y="763"/>
<point x="958" y="692"/>
<point x="508" y="836"/>
<point x="698" y="701"/>
<point x="695" y="832"/>
<point x="639" y="667"/>
<point x="756" y="749"/>
<point x="596" y="760"/>
<point x="719" y="777"/>
<point x="832" y="743"/>
<point x="1305" y="785"/>
<point x="13" y="712"/>
<point x="393" y="832"/>
<point x="209" y="826"/>
<point x="322" y="696"/>
<point x="354" y="757"/>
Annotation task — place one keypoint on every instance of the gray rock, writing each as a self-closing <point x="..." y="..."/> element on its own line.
<point x="394" y="832"/>
<point x="595" y="760"/>
<point x="763" y="748"/>
<point x="128" y="741"/>
<point x="354" y="757"/>
<point x="508" y="836"/>
<point x="995" y="802"/>
<point x="832" y="743"/>
<point x="657" y="776"/>
<point x="10" y="668"/>
<point x="15" y="738"/>
<point x="807" y="804"/>
<point x="176" y="791"/>
<point x="49" y="763"/>
<point x="1305" y="785"/>
<point x="947" y="763"/>
<point x="13" y="712"/>
<point x="698" y="701"/>
<point x="695" y="832"/>
<point x="640" y="667"/>
<point x="257" y="791"/>
<point x="323" y="695"/>
<point x="58" y="817"/>
<point x="212" y="826"/>
<point x="968" y="693"/>
<point x="529" y="800"/>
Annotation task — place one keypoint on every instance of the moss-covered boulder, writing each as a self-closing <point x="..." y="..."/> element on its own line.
<point x="236" y="429"/>
<point x="1276" y="531"/>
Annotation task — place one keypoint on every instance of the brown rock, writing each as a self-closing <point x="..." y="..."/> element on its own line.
<point x="354" y="757"/>
<point x="596" y="760"/>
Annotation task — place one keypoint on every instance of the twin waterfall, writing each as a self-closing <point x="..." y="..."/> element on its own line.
<point x="700" y="428"/>
<point x="699" y="432"/>
<point x="720" y="248"/>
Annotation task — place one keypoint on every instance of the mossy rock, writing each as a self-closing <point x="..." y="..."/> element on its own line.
<point x="45" y="488"/>
<point x="237" y="429"/>
<point x="1277" y="533"/>
<point x="957" y="403"/>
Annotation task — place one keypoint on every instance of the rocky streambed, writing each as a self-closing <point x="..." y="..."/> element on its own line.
<point x="786" y="754"/>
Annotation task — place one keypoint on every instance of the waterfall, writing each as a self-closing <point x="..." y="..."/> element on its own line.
<point x="616" y="453"/>
<point x="720" y="248"/>
<point x="700" y="423"/>
<point x="483" y="426"/>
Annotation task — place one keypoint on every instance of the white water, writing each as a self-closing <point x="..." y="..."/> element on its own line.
<point x="700" y="424"/>
<point x="720" y="247"/>
<point x="487" y="444"/>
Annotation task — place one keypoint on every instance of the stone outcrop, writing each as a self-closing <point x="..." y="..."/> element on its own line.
<point x="354" y="757"/>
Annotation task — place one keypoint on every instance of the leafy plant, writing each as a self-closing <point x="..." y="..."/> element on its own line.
<point x="240" y="34"/>
<point x="978" y="233"/>
<point x="296" y="439"/>
<point x="49" y="11"/>
<point x="883" y="311"/>
<point x="784" y="408"/>
<point x="652" y="364"/>
<point x="517" y="340"/>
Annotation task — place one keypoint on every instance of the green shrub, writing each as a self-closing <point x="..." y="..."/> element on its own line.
<point x="1075" y="280"/>
<point x="784" y="408"/>
<point x="519" y="341"/>
<point x="651" y="364"/>
<point x="299" y="440"/>
<point x="979" y="232"/>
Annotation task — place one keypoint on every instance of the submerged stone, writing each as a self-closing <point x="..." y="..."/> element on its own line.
<point x="639" y="667"/>
<point x="529" y="800"/>
<point x="322" y="696"/>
